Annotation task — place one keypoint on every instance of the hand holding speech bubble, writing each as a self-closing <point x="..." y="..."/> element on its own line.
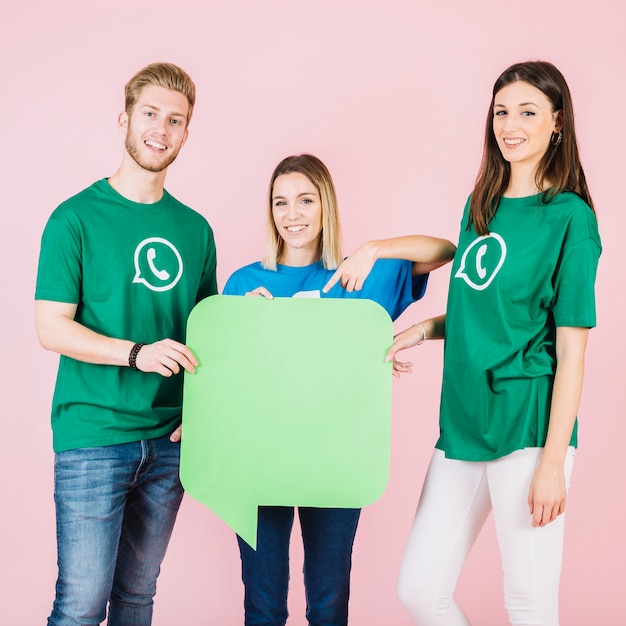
<point x="290" y="405"/>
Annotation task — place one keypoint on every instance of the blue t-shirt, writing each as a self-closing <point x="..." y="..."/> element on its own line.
<point x="390" y="283"/>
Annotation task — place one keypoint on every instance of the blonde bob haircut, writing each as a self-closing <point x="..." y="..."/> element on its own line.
<point x="166" y="75"/>
<point x="330" y="242"/>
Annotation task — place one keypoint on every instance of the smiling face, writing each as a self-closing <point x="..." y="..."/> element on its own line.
<point x="297" y="213"/>
<point x="156" y="127"/>
<point x="523" y="123"/>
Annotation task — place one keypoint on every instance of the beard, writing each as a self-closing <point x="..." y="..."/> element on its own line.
<point x="134" y="151"/>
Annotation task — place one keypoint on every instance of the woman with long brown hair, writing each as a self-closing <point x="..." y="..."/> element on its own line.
<point x="520" y="303"/>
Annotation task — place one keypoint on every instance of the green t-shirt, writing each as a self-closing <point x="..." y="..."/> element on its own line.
<point x="135" y="272"/>
<point x="508" y="292"/>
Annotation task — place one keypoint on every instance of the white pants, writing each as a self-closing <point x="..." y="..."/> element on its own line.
<point x="456" y="499"/>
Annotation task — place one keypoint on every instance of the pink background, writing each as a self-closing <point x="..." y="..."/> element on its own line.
<point x="392" y="95"/>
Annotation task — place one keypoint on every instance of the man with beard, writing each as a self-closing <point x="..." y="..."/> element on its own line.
<point x="122" y="264"/>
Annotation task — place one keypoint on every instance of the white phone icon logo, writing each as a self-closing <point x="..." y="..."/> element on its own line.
<point x="480" y="270"/>
<point x="160" y="274"/>
<point x="483" y="253"/>
<point x="148" y="273"/>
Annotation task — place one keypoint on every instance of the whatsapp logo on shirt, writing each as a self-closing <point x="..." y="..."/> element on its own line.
<point x="158" y="264"/>
<point x="482" y="261"/>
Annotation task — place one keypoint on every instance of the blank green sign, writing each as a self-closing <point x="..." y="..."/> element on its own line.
<point x="290" y="405"/>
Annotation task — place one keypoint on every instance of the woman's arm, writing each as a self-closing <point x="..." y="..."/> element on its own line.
<point x="414" y="335"/>
<point x="547" y="494"/>
<point x="426" y="253"/>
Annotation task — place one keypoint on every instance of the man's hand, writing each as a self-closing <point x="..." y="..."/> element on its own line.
<point x="177" y="435"/>
<point x="166" y="357"/>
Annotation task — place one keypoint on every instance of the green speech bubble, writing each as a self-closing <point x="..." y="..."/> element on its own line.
<point x="290" y="405"/>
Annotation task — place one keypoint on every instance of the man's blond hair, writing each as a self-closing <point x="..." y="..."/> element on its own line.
<point x="166" y="75"/>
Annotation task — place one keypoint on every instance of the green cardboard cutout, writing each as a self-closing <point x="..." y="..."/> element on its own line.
<point x="290" y="405"/>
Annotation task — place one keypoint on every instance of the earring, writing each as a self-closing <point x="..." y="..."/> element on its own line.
<point x="555" y="140"/>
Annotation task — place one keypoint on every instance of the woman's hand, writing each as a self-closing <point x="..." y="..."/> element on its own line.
<point x="354" y="270"/>
<point x="260" y="291"/>
<point x="547" y="493"/>
<point x="548" y="490"/>
<point x="400" y="367"/>
<point x="412" y="336"/>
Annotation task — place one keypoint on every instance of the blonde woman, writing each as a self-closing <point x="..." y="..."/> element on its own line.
<point x="304" y="259"/>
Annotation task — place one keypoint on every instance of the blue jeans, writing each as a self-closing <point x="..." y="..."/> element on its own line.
<point x="328" y="535"/>
<point x="115" y="510"/>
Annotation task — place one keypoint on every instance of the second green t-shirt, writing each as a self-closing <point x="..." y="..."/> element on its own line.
<point x="509" y="290"/>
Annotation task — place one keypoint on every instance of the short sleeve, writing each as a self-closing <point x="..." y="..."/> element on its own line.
<point x="574" y="302"/>
<point x="392" y="284"/>
<point x="231" y="287"/>
<point x="59" y="272"/>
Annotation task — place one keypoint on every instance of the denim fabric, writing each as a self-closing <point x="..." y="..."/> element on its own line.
<point x="328" y="536"/>
<point x="115" y="508"/>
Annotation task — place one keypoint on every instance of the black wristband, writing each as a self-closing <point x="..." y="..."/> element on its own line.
<point x="132" y="357"/>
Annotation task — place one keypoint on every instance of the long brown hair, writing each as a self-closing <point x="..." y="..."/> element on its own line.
<point x="560" y="166"/>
